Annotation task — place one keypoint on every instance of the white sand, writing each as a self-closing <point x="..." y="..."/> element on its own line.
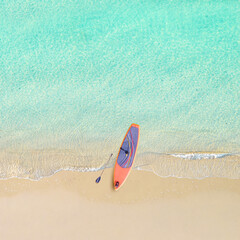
<point x="71" y="205"/>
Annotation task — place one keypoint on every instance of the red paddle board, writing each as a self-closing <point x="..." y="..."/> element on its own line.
<point x="126" y="156"/>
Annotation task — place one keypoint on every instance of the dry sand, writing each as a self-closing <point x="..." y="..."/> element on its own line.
<point x="70" y="205"/>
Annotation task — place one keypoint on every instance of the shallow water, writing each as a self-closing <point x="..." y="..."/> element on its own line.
<point x="75" y="74"/>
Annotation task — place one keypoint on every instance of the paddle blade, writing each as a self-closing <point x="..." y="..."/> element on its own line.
<point x="98" y="179"/>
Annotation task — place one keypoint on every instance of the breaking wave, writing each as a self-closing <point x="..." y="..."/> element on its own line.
<point x="36" y="165"/>
<point x="199" y="156"/>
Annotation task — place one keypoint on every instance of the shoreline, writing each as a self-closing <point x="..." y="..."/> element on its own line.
<point x="36" y="165"/>
<point x="137" y="183"/>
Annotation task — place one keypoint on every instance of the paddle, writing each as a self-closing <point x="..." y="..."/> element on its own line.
<point x="99" y="178"/>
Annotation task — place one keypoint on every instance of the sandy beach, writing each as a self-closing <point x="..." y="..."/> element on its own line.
<point x="75" y="76"/>
<point x="70" y="205"/>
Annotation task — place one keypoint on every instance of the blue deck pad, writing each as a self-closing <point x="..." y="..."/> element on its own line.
<point x="128" y="148"/>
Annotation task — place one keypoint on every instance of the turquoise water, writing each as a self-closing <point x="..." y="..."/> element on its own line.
<point x="75" y="74"/>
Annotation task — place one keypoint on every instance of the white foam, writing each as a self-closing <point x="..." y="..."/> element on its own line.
<point x="199" y="156"/>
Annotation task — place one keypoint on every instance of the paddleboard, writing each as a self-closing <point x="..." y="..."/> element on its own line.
<point x="126" y="155"/>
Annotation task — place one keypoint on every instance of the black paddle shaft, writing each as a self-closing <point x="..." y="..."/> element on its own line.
<point x="99" y="178"/>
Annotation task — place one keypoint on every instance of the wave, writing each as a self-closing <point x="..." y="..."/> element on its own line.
<point x="199" y="156"/>
<point x="36" y="165"/>
<point x="191" y="165"/>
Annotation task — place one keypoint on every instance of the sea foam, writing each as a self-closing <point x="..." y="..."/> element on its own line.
<point x="199" y="156"/>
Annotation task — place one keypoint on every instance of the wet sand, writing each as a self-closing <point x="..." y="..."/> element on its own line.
<point x="70" y="205"/>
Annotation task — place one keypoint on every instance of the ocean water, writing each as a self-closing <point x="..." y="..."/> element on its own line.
<point x="75" y="74"/>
